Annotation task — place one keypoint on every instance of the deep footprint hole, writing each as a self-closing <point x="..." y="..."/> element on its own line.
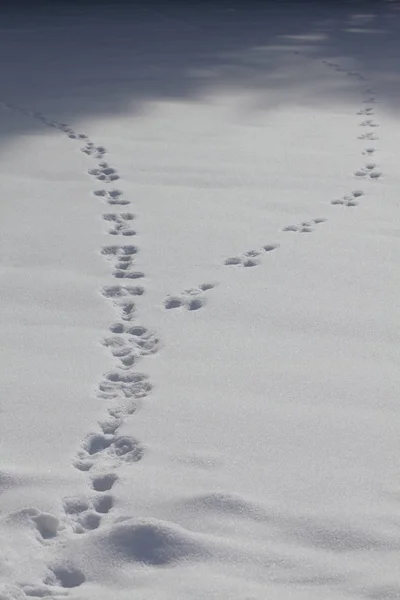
<point x="104" y="483"/>
<point x="196" y="303"/>
<point x="68" y="576"/>
<point x="173" y="303"/>
<point x="103" y="504"/>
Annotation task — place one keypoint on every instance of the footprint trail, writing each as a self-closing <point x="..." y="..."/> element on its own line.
<point x="123" y="389"/>
<point x="194" y="299"/>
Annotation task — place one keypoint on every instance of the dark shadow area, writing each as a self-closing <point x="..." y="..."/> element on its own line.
<point x="71" y="60"/>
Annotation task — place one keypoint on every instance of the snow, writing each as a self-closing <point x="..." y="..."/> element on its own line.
<point x="199" y="302"/>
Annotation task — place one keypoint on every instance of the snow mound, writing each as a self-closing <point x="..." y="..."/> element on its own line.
<point x="154" y="542"/>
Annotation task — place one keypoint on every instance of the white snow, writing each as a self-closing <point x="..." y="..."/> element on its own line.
<point x="200" y="302"/>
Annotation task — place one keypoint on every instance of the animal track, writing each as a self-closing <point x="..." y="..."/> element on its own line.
<point x="120" y="223"/>
<point x="369" y="123"/>
<point x="368" y="136"/>
<point x="366" y="111"/>
<point x="131" y="344"/>
<point x="82" y="513"/>
<point x="369" y="151"/>
<point x="128" y="343"/>
<point x="104" y="483"/>
<point x="119" y="291"/>
<point x="105" y="446"/>
<point x="349" y="199"/>
<point x="249" y="258"/>
<point x="104" y="173"/>
<point x="46" y="524"/>
<point x="66" y="576"/>
<point x="103" y="504"/>
<point x="305" y="226"/>
<point x="123" y="261"/>
<point x="112" y="197"/>
<point x="122" y="387"/>
<point x="125" y="384"/>
<point x="191" y="299"/>
<point x="97" y="152"/>
<point x="120" y="252"/>
<point x="369" y="171"/>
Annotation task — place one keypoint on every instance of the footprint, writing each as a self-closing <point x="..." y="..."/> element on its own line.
<point x="366" y="111"/>
<point x="88" y="521"/>
<point x="77" y="136"/>
<point x="135" y="290"/>
<point x="121" y="297"/>
<point x="121" y="446"/>
<point x="184" y="301"/>
<point x="104" y="173"/>
<point x="249" y="258"/>
<point x="111" y="425"/>
<point x="128" y="250"/>
<point x="97" y="152"/>
<point x="46" y="523"/>
<point x="369" y="123"/>
<point x="233" y="260"/>
<point x="250" y="262"/>
<point x="368" y="136"/>
<point x="118" y="217"/>
<point x="112" y="197"/>
<point x="127" y="309"/>
<point x="375" y="174"/>
<point x="369" y="151"/>
<point x="124" y="384"/>
<point x="109" y="251"/>
<point x="119" y="291"/>
<point x="66" y="576"/>
<point x="191" y="299"/>
<point x="206" y="286"/>
<point x="121" y="230"/>
<point x="173" y="302"/>
<point x="349" y="199"/>
<point x="103" y="504"/>
<point x="142" y="340"/>
<point x="82" y="515"/>
<point x="113" y="291"/>
<point x="305" y="226"/>
<point x="122" y="253"/>
<point x="75" y="505"/>
<point x="131" y="344"/>
<point x="117" y="328"/>
<point x="104" y="483"/>
<point x="128" y="449"/>
<point x="96" y="443"/>
<point x="120" y="227"/>
<point x="368" y="171"/>
<point x="123" y="273"/>
<point x="195" y="303"/>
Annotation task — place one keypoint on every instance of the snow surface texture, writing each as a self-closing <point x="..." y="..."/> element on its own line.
<point x="199" y="292"/>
